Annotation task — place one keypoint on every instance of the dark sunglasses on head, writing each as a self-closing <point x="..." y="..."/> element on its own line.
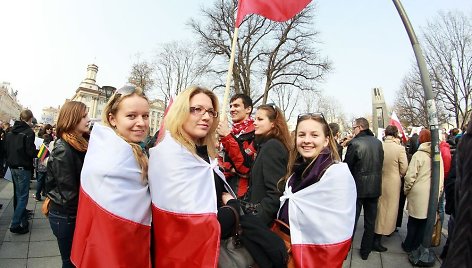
<point x="126" y="90"/>
<point x="316" y="114"/>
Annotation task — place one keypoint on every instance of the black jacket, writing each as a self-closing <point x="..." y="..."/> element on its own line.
<point x="19" y="146"/>
<point x="365" y="157"/>
<point x="63" y="180"/>
<point x="269" y="167"/>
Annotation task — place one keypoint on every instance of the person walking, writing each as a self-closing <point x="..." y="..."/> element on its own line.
<point x="114" y="211"/>
<point x="237" y="144"/>
<point x="63" y="178"/>
<point x="395" y="165"/>
<point x="365" y="156"/>
<point x="20" y="152"/>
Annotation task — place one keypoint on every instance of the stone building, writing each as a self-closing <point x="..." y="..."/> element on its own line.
<point x="49" y="115"/>
<point x="9" y="106"/>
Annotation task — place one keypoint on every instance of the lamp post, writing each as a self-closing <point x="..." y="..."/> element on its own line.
<point x="424" y="255"/>
<point x="108" y="90"/>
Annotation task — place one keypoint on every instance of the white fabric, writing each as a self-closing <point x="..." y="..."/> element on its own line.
<point x="111" y="176"/>
<point x="323" y="213"/>
<point x="180" y="181"/>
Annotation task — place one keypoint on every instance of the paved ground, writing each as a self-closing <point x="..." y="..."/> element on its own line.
<point x="39" y="249"/>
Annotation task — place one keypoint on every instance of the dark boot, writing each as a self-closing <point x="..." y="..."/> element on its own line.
<point x="377" y="245"/>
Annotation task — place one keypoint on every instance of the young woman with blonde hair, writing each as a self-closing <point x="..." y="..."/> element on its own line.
<point x="114" y="215"/>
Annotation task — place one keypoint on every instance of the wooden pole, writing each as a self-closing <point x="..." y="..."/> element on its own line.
<point x="230" y="72"/>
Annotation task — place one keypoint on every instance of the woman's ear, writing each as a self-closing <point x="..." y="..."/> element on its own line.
<point x="112" y="120"/>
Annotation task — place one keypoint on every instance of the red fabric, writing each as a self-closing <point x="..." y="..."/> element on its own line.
<point x="446" y="157"/>
<point x="397" y="123"/>
<point x="235" y="155"/>
<point x="278" y="10"/>
<point x="185" y="240"/>
<point x="331" y="255"/>
<point x="102" y="239"/>
<point x="243" y="127"/>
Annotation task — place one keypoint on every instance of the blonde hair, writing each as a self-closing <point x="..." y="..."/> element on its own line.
<point x="179" y="113"/>
<point x="295" y="155"/>
<point x="70" y="115"/>
<point x="112" y="108"/>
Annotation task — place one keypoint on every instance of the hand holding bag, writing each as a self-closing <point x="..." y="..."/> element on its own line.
<point x="232" y="253"/>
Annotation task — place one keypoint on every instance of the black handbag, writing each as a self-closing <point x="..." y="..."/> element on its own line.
<point x="232" y="253"/>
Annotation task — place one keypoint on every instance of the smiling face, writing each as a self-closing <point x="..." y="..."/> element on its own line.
<point x="131" y="119"/>
<point x="197" y="126"/>
<point x="310" y="138"/>
<point x="238" y="112"/>
<point x="262" y="123"/>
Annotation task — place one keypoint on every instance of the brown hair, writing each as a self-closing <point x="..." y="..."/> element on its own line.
<point x="180" y="111"/>
<point x="294" y="154"/>
<point x="280" y="129"/>
<point x="391" y="130"/>
<point x="26" y="115"/>
<point x="112" y="107"/>
<point x="425" y="136"/>
<point x="70" y="115"/>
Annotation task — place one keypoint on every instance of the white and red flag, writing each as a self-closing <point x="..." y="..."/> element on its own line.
<point x="394" y="121"/>
<point x="113" y="227"/>
<point x="277" y="10"/>
<point x="186" y="231"/>
<point x="321" y="218"/>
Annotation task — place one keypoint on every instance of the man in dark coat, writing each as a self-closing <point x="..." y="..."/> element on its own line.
<point x="364" y="156"/>
<point x="460" y="247"/>
<point x="20" y="151"/>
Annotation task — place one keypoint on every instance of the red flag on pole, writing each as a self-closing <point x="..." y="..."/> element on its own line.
<point x="277" y="10"/>
<point x="394" y="121"/>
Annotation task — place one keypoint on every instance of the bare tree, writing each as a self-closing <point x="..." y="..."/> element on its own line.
<point x="448" y="50"/>
<point x="410" y="103"/>
<point x="286" y="99"/>
<point x="177" y="66"/>
<point x="273" y="52"/>
<point x="141" y="74"/>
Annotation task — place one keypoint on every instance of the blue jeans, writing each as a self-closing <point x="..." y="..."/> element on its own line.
<point x="40" y="179"/>
<point x="63" y="226"/>
<point x="21" y="179"/>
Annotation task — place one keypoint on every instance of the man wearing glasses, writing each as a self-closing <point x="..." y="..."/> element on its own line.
<point x="237" y="150"/>
<point x="364" y="157"/>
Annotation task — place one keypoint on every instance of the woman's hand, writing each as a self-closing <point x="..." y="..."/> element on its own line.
<point x="226" y="197"/>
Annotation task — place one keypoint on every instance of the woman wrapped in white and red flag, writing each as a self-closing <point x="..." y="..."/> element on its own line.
<point x="187" y="186"/>
<point x="114" y="215"/>
<point x="319" y="201"/>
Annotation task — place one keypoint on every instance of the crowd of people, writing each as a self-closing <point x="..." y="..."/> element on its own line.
<point x="295" y="198"/>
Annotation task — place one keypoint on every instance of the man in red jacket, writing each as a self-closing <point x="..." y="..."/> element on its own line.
<point x="237" y="150"/>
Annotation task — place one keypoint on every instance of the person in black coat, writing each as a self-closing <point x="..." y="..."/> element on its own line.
<point x="460" y="247"/>
<point x="270" y="165"/>
<point x="364" y="156"/>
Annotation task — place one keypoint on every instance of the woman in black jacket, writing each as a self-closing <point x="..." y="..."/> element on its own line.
<point x="273" y="144"/>
<point x="63" y="180"/>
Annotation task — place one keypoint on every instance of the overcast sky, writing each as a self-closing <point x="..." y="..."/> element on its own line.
<point x="46" y="45"/>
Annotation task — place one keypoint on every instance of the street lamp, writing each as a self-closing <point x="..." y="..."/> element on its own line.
<point x="108" y="91"/>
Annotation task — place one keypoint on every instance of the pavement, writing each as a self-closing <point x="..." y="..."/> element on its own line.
<point x="38" y="248"/>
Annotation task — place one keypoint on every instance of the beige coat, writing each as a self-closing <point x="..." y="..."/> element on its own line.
<point x="395" y="165"/>
<point x="418" y="181"/>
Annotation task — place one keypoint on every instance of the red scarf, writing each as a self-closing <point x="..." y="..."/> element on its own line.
<point x="243" y="127"/>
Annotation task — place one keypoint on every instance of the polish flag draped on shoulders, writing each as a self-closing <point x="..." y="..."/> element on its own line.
<point x="276" y="10"/>
<point x="321" y="218"/>
<point x="113" y="227"/>
<point x="186" y="232"/>
<point x="394" y="121"/>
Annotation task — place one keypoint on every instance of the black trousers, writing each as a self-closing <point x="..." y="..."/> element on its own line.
<point x="415" y="233"/>
<point x="401" y="204"/>
<point x="370" y="213"/>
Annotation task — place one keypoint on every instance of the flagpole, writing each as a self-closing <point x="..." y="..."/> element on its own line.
<point x="230" y="72"/>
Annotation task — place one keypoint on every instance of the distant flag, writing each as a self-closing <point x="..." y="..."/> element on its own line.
<point x="394" y="121"/>
<point x="162" y="127"/>
<point x="277" y="10"/>
<point x="43" y="152"/>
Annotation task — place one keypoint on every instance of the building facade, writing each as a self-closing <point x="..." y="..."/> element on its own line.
<point x="49" y="115"/>
<point x="10" y="109"/>
<point x="156" y="113"/>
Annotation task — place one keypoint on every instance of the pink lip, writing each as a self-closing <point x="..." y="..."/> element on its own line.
<point x="203" y="125"/>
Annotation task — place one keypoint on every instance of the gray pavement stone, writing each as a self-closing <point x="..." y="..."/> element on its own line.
<point x="13" y="263"/>
<point x="393" y="243"/>
<point x="45" y="262"/>
<point x="44" y="234"/>
<point x="14" y="250"/>
<point x="394" y="260"/>
<point x="43" y="249"/>
<point x="372" y="261"/>
<point x="11" y="237"/>
<point x="41" y="223"/>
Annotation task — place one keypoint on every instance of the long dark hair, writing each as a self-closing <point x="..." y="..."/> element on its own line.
<point x="280" y="129"/>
